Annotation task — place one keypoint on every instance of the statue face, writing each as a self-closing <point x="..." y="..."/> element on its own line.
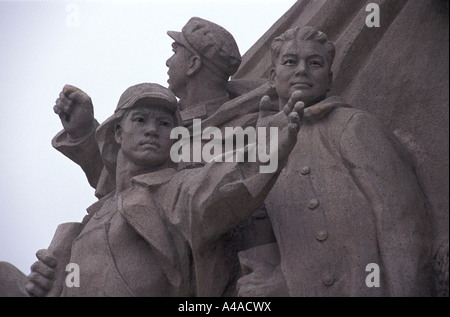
<point x="177" y="65"/>
<point x="144" y="135"/>
<point x="302" y="65"/>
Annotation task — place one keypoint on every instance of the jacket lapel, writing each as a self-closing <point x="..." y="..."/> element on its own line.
<point x="138" y="206"/>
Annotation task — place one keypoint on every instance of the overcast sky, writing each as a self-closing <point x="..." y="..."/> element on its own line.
<point x="103" y="47"/>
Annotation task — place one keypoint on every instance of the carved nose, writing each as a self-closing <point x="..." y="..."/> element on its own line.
<point x="301" y="68"/>
<point x="151" y="129"/>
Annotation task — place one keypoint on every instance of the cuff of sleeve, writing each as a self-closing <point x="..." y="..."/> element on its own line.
<point x="63" y="139"/>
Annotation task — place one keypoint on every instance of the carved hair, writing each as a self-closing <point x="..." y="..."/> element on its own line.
<point x="306" y="33"/>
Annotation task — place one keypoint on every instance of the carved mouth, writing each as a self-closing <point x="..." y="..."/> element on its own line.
<point x="301" y="85"/>
<point x="150" y="145"/>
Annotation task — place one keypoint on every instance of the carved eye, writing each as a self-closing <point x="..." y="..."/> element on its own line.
<point x="316" y="63"/>
<point x="138" y="119"/>
<point x="289" y="62"/>
<point x="164" y="123"/>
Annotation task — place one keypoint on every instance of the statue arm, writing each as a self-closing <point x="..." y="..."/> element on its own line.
<point x="77" y="140"/>
<point x="225" y="196"/>
<point x="221" y="195"/>
<point x="83" y="151"/>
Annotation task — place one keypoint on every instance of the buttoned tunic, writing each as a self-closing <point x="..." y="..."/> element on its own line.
<point x="349" y="197"/>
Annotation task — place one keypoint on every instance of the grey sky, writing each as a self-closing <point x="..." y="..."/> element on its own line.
<point x="116" y="44"/>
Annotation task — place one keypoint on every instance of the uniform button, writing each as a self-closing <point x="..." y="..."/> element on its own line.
<point x="305" y="170"/>
<point x="321" y="235"/>
<point x="328" y="279"/>
<point x="313" y="203"/>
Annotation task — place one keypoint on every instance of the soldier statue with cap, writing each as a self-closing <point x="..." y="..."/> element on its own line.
<point x="205" y="56"/>
<point x="158" y="232"/>
<point x="113" y="257"/>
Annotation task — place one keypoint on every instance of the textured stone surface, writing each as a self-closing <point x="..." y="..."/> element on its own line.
<point x="398" y="72"/>
<point x="12" y="281"/>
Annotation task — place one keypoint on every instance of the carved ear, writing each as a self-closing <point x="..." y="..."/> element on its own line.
<point x="118" y="133"/>
<point x="195" y="63"/>
<point x="272" y="77"/>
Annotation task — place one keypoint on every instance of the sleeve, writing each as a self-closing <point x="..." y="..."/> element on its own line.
<point x="83" y="151"/>
<point x="382" y="170"/>
<point x="213" y="199"/>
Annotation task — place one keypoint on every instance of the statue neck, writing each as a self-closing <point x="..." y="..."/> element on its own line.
<point x="126" y="170"/>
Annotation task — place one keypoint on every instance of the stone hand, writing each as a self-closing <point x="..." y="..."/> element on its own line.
<point x="75" y="110"/>
<point x="267" y="281"/>
<point x="41" y="278"/>
<point x="287" y="121"/>
<point x="279" y="120"/>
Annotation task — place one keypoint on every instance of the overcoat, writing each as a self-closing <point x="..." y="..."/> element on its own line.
<point x="349" y="197"/>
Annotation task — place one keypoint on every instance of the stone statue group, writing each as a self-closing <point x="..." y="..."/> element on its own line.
<point x="344" y="195"/>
